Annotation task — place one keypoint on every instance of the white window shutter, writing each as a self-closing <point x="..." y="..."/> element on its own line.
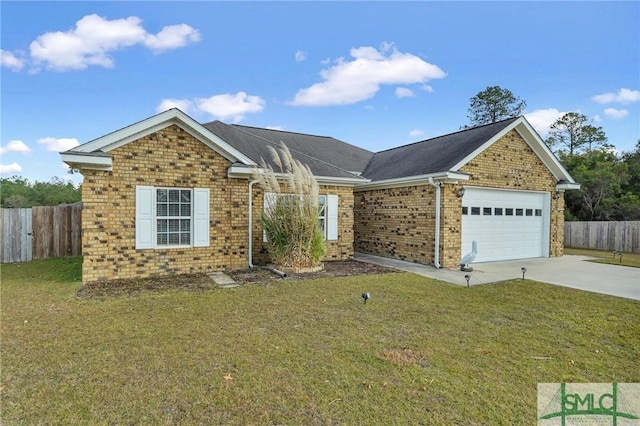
<point x="144" y="217"/>
<point x="201" y="217"/>
<point x="332" y="217"/>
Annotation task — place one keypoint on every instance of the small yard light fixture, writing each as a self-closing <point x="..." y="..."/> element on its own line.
<point x="363" y="201"/>
<point x="614" y="254"/>
<point x="467" y="277"/>
<point x="524" y="271"/>
<point x="620" y="255"/>
<point x="460" y="192"/>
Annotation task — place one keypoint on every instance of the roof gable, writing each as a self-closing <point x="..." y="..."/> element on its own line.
<point x="439" y="154"/>
<point x="449" y="153"/>
<point x="94" y="154"/>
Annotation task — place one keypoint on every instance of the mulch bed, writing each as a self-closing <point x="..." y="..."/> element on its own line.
<point x="202" y="282"/>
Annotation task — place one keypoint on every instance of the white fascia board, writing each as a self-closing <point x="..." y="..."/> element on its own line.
<point x="567" y="186"/>
<point x="247" y="172"/>
<point x="445" y="177"/>
<point x="158" y="122"/>
<point x="80" y="161"/>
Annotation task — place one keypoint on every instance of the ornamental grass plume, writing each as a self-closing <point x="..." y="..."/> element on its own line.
<point x="290" y="214"/>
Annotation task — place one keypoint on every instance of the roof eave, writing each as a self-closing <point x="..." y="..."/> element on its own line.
<point x="246" y="172"/>
<point x="87" y="161"/>
<point x="451" y="177"/>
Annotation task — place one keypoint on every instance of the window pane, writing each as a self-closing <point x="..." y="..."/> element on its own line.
<point x="465" y="210"/>
<point x="185" y="210"/>
<point x="161" y="195"/>
<point x="162" y="225"/>
<point x="475" y="211"/>
<point x="529" y="212"/>
<point x="174" y="209"/>
<point x="185" y="239"/>
<point x="174" y="225"/>
<point x="538" y="212"/>
<point x="174" y="195"/>
<point x="162" y="239"/>
<point x="497" y="211"/>
<point x="185" y="196"/>
<point x="486" y="211"/>
<point x="162" y="210"/>
<point x="508" y="212"/>
<point x="321" y="224"/>
<point x="519" y="212"/>
<point x="174" y="239"/>
<point x="185" y="225"/>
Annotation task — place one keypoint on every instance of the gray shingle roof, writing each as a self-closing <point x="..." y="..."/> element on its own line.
<point x="434" y="155"/>
<point x="325" y="156"/>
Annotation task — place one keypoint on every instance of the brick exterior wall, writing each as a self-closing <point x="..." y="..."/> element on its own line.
<point x="173" y="158"/>
<point x="399" y="222"/>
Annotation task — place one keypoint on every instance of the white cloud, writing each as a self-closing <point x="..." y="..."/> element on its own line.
<point x="15" y="146"/>
<point x="183" y="105"/>
<point x="172" y="37"/>
<point x="11" y="61"/>
<point x="542" y="119"/>
<point x="349" y="82"/>
<point x="230" y="107"/>
<point x="301" y="56"/>
<point x="597" y="119"/>
<point x="623" y="96"/>
<point x="616" y="114"/>
<point x="403" y="92"/>
<point x="94" y="38"/>
<point x="416" y="133"/>
<point x="9" y="169"/>
<point x="223" y="107"/>
<point x="58" y="144"/>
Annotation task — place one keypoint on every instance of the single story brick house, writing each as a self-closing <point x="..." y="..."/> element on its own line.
<point x="168" y="195"/>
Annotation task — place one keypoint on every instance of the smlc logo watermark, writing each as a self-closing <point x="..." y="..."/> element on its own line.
<point x="569" y="404"/>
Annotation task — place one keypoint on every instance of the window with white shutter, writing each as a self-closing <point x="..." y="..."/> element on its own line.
<point x="171" y="217"/>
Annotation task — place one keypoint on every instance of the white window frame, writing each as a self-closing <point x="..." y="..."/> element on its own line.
<point x="147" y="218"/>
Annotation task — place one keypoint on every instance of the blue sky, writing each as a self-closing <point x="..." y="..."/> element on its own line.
<point x="374" y="74"/>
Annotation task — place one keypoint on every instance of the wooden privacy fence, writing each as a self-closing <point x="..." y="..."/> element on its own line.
<point x="40" y="232"/>
<point x="619" y="236"/>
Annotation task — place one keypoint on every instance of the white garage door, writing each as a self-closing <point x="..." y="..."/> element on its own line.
<point x="505" y="224"/>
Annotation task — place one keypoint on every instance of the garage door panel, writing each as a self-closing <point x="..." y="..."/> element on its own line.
<point x="510" y="224"/>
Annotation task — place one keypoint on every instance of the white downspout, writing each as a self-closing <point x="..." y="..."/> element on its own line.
<point x="251" y="222"/>
<point x="436" y="249"/>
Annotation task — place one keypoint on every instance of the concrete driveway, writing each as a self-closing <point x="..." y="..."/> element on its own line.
<point x="567" y="271"/>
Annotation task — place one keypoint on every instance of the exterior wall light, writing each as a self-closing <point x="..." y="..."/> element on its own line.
<point x="363" y="201"/>
<point x="556" y="195"/>
<point x="460" y="193"/>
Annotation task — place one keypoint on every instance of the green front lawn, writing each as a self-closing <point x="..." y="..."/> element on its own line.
<point x="302" y="352"/>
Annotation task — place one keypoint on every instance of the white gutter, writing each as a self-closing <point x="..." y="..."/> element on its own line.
<point x="251" y="222"/>
<point x="436" y="249"/>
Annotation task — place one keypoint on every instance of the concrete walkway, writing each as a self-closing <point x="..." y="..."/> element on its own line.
<point x="567" y="271"/>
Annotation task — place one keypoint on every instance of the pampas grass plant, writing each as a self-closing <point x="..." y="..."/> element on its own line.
<point x="290" y="216"/>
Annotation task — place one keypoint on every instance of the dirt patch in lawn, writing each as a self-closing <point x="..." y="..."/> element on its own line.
<point x="203" y="282"/>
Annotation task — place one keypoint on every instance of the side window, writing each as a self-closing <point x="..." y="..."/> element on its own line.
<point x="171" y="217"/>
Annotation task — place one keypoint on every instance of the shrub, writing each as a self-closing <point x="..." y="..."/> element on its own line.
<point x="290" y="216"/>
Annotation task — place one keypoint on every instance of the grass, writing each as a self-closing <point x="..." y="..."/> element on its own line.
<point x="628" y="259"/>
<point x="302" y="352"/>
